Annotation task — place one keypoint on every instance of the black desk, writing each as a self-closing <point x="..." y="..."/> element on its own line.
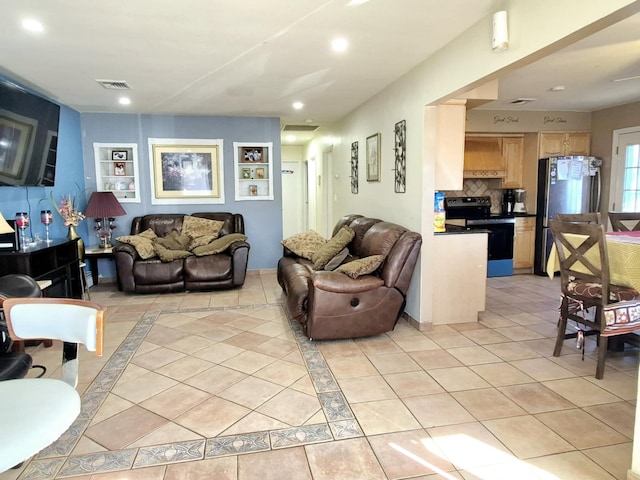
<point x="56" y="261"/>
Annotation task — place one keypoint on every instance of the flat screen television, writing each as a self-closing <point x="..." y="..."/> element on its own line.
<point x="28" y="137"/>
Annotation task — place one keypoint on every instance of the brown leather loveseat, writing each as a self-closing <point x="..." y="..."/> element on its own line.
<point x="226" y="269"/>
<point x="331" y="304"/>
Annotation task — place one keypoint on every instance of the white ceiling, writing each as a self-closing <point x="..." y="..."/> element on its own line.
<point x="256" y="57"/>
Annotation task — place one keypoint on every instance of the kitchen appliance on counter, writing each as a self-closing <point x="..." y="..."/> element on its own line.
<point x="519" y="200"/>
<point x="508" y="201"/>
<point x="474" y="213"/>
<point x="565" y="185"/>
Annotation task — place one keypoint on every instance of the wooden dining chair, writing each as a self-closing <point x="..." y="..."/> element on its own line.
<point x="588" y="297"/>
<point x="625" y="221"/>
<point x="589" y="217"/>
<point x="37" y="411"/>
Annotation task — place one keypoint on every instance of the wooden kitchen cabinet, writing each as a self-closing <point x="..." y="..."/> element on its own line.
<point x="512" y="148"/>
<point x="557" y="144"/>
<point x="448" y="122"/>
<point x="483" y="158"/>
<point x="524" y="242"/>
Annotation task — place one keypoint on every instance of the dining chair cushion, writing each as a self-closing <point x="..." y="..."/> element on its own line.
<point x="622" y="316"/>
<point x="591" y="291"/>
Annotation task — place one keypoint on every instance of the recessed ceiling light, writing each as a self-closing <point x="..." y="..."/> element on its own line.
<point x="557" y="88"/>
<point x="339" y="44"/>
<point x="32" y="25"/>
<point x="308" y="120"/>
<point x="290" y="138"/>
<point x="124" y="101"/>
<point x="298" y="105"/>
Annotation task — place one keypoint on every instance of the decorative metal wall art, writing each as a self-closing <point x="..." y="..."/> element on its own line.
<point x="354" y="167"/>
<point x="400" y="184"/>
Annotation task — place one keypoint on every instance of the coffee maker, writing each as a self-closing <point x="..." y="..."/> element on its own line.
<point x="520" y="197"/>
<point x="508" y="201"/>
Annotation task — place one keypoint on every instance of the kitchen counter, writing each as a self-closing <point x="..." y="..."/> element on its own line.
<point x="459" y="268"/>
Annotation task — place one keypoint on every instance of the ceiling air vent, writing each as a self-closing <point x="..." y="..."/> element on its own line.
<point x="114" y="84"/>
<point x="522" y="101"/>
<point x="300" y="128"/>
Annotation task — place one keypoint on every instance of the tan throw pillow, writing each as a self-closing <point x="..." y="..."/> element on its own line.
<point x="174" y="241"/>
<point x="142" y="244"/>
<point x="167" y="255"/>
<point x="330" y="249"/>
<point x="148" y="233"/>
<point x="197" y="227"/>
<point x="201" y="240"/>
<point x="362" y="266"/>
<point x="218" y="245"/>
<point x="337" y="260"/>
<point x="304" y="244"/>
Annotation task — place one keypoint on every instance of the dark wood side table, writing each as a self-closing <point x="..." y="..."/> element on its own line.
<point x="92" y="255"/>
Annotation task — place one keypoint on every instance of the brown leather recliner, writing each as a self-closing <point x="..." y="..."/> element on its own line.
<point x="221" y="270"/>
<point x="332" y="305"/>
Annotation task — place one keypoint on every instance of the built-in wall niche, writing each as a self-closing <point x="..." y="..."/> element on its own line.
<point x="117" y="170"/>
<point x="253" y="166"/>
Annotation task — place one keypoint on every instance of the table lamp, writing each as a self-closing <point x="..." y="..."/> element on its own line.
<point x="103" y="207"/>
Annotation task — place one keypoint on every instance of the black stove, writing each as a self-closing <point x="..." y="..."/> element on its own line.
<point x="475" y="210"/>
<point x="474" y="213"/>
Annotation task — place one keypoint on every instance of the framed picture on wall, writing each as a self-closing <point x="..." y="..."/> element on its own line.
<point x="186" y="171"/>
<point x="119" y="169"/>
<point x="120" y="155"/>
<point x="373" y="158"/>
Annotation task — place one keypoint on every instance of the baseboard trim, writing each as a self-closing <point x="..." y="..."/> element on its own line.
<point x="420" y="326"/>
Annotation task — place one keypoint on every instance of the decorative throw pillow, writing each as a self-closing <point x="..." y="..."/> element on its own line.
<point x="304" y="244"/>
<point x="361" y="266"/>
<point x="148" y="233"/>
<point x="336" y="261"/>
<point x="142" y="243"/>
<point x="218" y="245"/>
<point x="167" y="255"/>
<point x="201" y="240"/>
<point x="174" y="241"/>
<point x="197" y="227"/>
<point x="330" y="249"/>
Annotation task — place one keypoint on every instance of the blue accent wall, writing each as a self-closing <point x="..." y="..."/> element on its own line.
<point x="263" y="218"/>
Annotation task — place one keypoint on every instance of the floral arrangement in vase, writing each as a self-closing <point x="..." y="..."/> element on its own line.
<point x="70" y="214"/>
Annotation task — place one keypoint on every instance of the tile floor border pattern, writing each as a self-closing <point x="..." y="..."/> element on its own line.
<point x="55" y="462"/>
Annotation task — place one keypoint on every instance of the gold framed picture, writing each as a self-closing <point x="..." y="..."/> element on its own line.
<point x="260" y="172"/>
<point x="186" y="171"/>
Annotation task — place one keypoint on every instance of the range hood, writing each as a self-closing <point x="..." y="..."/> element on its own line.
<point x="483" y="158"/>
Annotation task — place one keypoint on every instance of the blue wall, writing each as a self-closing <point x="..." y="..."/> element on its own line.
<point x="263" y="219"/>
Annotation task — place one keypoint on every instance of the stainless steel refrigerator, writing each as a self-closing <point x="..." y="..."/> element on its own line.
<point x="565" y="185"/>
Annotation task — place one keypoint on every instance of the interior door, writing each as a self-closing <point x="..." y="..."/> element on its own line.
<point x="625" y="171"/>
<point x="294" y="198"/>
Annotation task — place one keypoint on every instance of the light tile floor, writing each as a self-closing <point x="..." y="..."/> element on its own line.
<point x="222" y="386"/>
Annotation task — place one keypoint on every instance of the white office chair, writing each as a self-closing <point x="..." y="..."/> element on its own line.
<point x="37" y="411"/>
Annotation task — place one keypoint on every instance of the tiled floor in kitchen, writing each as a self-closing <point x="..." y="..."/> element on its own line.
<point x="222" y="386"/>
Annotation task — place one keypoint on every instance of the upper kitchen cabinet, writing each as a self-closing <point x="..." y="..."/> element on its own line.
<point x="483" y="158"/>
<point x="559" y="144"/>
<point x="512" y="154"/>
<point x="446" y="124"/>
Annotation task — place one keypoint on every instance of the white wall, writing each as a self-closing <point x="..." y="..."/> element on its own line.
<point x="536" y="29"/>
